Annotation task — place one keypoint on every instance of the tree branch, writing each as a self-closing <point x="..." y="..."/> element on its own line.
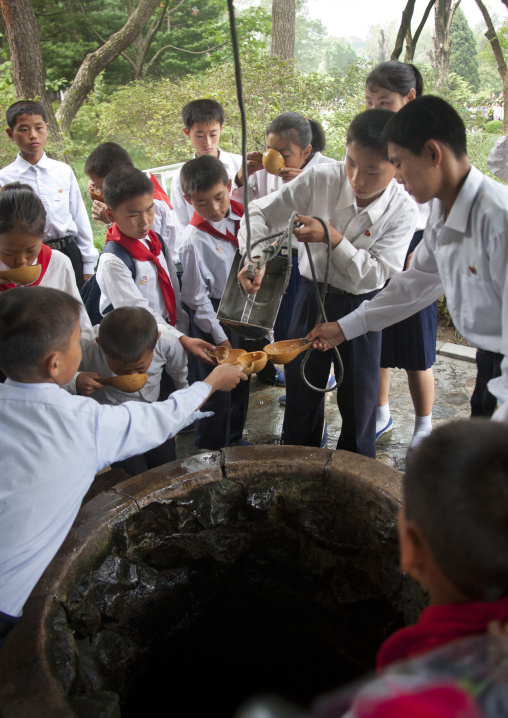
<point x="92" y="28"/>
<point x="493" y="39"/>
<point x="420" y="27"/>
<point x="193" y="52"/>
<point x="450" y="17"/>
<point x="405" y="26"/>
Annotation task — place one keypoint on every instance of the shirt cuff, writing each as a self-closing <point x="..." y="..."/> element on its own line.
<point x="354" y="324"/>
<point x="343" y="253"/>
<point x="89" y="267"/>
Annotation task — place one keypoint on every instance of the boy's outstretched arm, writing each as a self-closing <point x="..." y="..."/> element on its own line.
<point x="224" y="378"/>
<point x="326" y="336"/>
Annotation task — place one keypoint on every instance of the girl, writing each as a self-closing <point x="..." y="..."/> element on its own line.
<point x="410" y="344"/>
<point x="22" y="219"/>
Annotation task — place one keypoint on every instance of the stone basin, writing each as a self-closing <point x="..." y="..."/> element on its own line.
<point x="185" y="590"/>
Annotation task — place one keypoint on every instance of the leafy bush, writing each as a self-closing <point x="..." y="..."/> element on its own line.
<point x="494" y="127"/>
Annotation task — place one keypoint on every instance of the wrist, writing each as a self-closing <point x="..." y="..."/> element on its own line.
<point x="335" y="236"/>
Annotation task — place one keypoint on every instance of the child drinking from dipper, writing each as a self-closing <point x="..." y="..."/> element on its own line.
<point x="410" y="344"/>
<point x="371" y="221"/>
<point x="22" y="222"/>
<point x="53" y="444"/>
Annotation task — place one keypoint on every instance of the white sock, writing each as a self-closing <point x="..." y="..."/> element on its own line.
<point x="423" y="427"/>
<point x="383" y="416"/>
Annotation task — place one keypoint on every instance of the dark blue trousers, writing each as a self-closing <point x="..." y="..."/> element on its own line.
<point x="356" y="397"/>
<point x="488" y="364"/>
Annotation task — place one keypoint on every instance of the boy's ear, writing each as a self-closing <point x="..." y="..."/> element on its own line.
<point x="229" y="185"/>
<point x="52" y="365"/>
<point x="186" y="131"/>
<point x="434" y="150"/>
<point x="110" y="214"/>
<point x="412" y="547"/>
<point x="97" y="340"/>
<point x="9" y="133"/>
<point x="159" y="335"/>
<point x="187" y="199"/>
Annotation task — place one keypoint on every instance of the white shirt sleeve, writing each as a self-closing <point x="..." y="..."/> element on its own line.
<point x="84" y="238"/>
<point x="165" y="224"/>
<point x="176" y="358"/>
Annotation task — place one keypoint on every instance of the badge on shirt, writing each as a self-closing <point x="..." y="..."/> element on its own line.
<point x="368" y="233"/>
<point x="144" y="279"/>
<point x="220" y="249"/>
<point x="60" y="191"/>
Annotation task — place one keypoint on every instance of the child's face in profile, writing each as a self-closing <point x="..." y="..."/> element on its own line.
<point x="418" y="173"/>
<point x="30" y="133"/>
<point x="205" y="137"/>
<point x="19" y="249"/>
<point x="293" y="155"/>
<point x="381" y="98"/>
<point x="134" y="217"/>
<point x="140" y="366"/>
<point x="368" y="172"/>
<point x="212" y="204"/>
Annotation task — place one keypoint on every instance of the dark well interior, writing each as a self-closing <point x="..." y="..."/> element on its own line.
<point x="276" y="585"/>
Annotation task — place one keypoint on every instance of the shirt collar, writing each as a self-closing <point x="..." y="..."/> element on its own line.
<point x="459" y="214"/>
<point x="25" y="386"/>
<point x="375" y="209"/>
<point x="23" y="165"/>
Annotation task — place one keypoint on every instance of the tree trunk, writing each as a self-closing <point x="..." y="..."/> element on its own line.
<point x="283" y="29"/>
<point x="27" y="66"/>
<point x="444" y="12"/>
<point x="502" y="68"/>
<point x="95" y="62"/>
<point x="404" y="30"/>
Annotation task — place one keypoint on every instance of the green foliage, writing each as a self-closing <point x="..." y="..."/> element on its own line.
<point x="315" y="52"/>
<point x="464" y="54"/>
<point x="494" y="127"/>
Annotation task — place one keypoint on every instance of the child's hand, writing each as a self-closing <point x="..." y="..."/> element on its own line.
<point x="226" y="344"/>
<point x="289" y="173"/>
<point x="225" y="377"/>
<point x="99" y="211"/>
<point x="254" y="163"/>
<point x="326" y="336"/>
<point x="86" y="384"/>
<point x="251" y="285"/>
<point x="198" y="347"/>
<point x="313" y="231"/>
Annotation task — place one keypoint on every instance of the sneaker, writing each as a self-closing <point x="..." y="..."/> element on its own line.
<point x="324" y="438"/>
<point x="282" y="400"/>
<point x="385" y="429"/>
<point x="278" y="379"/>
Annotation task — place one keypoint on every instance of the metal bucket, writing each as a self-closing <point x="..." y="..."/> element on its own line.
<point x="241" y="314"/>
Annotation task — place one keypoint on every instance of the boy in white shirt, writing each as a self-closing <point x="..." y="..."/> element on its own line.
<point x="67" y="225"/>
<point x="208" y="247"/>
<point x="203" y="123"/>
<point x="463" y="254"/>
<point x="53" y="443"/>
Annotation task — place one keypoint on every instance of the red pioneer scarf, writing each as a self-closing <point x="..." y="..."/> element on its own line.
<point x="439" y="625"/>
<point x="43" y="259"/>
<point x="138" y="251"/>
<point x="208" y="227"/>
<point x="158" y="192"/>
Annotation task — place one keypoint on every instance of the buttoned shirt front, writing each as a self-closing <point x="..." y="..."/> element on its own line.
<point x="56" y="185"/>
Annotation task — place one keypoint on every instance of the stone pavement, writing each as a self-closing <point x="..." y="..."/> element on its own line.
<point x="455" y="374"/>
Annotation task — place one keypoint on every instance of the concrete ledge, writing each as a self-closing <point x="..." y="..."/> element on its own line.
<point x="457" y="351"/>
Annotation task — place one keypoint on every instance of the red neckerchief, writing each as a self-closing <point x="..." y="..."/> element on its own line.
<point x="208" y="227"/>
<point x="43" y="259"/>
<point x="158" y="192"/>
<point x="439" y="625"/>
<point x="138" y="251"/>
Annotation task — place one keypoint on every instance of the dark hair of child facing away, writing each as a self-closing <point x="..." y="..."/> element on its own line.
<point x="107" y="157"/>
<point x="33" y="323"/>
<point x="127" y="333"/>
<point x="299" y="129"/>
<point x="24" y="107"/>
<point x="124" y="184"/>
<point x="427" y="118"/>
<point x="456" y="493"/>
<point x="367" y="129"/>
<point x="399" y="77"/>
<point x="21" y="210"/>
<point x="201" y="174"/>
<point x="206" y="111"/>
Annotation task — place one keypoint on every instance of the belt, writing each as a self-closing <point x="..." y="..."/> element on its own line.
<point x="60" y="242"/>
<point x="284" y="252"/>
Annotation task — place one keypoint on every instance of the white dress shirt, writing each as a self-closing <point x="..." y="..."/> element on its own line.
<point x="464" y="256"/>
<point x="53" y="444"/>
<point x="60" y="275"/>
<point x="183" y="209"/>
<point x="497" y="161"/>
<point x="206" y="262"/>
<point x="168" y="355"/>
<point x="56" y="185"/>
<point x="164" y="223"/>
<point x="121" y="290"/>
<point x="375" y="239"/>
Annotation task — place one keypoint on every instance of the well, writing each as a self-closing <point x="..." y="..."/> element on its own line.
<point x="187" y="589"/>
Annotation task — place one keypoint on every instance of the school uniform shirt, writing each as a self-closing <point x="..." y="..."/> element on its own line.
<point x="497" y="161"/>
<point x="262" y="183"/>
<point x="164" y="223"/>
<point x="375" y="238"/>
<point x="464" y="256"/>
<point x="183" y="209"/>
<point x="53" y="444"/>
<point x="206" y="262"/>
<point x="56" y="185"/>
<point x="121" y="290"/>
<point x="60" y="275"/>
<point x="168" y="355"/>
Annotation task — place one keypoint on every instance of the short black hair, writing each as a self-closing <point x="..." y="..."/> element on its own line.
<point x="107" y="157"/>
<point x="456" y="492"/>
<point x="21" y="210"/>
<point x="399" y="77"/>
<point x="127" y="333"/>
<point x="124" y="184"/>
<point x="34" y="321"/>
<point x="202" y="111"/>
<point x="24" y="107"/>
<point x="367" y="130"/>
<point x="201" y="174"/>
<point x="427" y="118"/>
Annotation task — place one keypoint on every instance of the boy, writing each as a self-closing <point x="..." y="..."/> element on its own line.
<point x="129" y="341"/>
<point x="67" y="225"/>
<point x="53" y="443"/>
<point x="463" y="254"/>
<point x="208" y="248"/>
<point x="371" y="223"/>
<point x="110" y="156"/>
<point x="203" y="123"/>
